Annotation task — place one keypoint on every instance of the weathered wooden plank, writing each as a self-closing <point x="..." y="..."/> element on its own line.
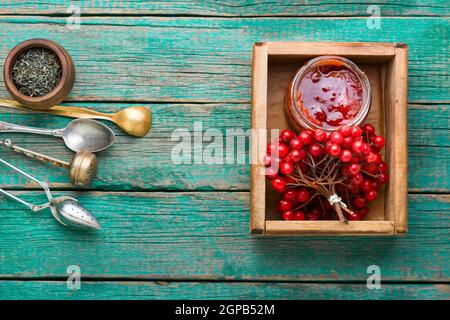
<point x="145" y="164"/>
<point x="134" y="164"/>
<point x="240" y="8"/>
<point x="105" y="290"/>
<point x="205" y="235"/>
<point x="209" y="60"/>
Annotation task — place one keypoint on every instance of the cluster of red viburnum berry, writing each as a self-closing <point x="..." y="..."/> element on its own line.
<point x="355" y="152"/>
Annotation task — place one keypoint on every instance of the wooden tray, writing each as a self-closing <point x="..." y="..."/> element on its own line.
<point x="386" y="66"/>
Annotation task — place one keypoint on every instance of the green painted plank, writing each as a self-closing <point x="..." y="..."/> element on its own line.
<point x="239" y="8"/>
<point x="49" y="290"/>
<point x="209" y="60"/>
<point x="145" y="164"/>
<point x="205" y="235"/>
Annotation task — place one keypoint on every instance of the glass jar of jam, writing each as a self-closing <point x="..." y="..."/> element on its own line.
<point x="327" y="92"/>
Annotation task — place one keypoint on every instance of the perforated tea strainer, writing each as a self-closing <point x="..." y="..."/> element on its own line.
<point x="65" y="209"/>
<point x="82" y="168"/>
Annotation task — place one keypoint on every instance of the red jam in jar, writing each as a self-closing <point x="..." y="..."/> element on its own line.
<point x="326" y="93"/>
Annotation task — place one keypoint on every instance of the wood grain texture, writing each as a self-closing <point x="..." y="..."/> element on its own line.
<point x="209" y="60"/>
<point x="239" y="8"/>
<point x="145" y="163"/>
<point x="204" y="235"/>
<point x="106" y="290"/>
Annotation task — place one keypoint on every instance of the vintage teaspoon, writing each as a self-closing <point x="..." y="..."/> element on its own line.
<point x="80" y="134"/>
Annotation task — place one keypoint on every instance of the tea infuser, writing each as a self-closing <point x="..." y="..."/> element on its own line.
<point x="66" y="210"/>
<point x="80" y="134"/>
<point x="82" y="168"/>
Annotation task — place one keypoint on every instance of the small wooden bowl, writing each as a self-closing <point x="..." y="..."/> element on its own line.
<point x="62" y="89"/>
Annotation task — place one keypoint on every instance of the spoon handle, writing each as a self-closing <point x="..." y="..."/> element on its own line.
<point x="75" y="112"/>
<point x="34" y="155"/>
<point x="72" y="112"/>
<point x="11" y="127"/>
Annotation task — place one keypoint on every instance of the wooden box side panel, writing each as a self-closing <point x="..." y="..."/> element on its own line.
<point x="397" y="139"/>
<point x="259" y="139"/>
<point x="374" y="51"/>
<point x="321" y="228"/>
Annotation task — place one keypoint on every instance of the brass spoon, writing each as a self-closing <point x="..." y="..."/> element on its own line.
<point x="135" y="121"/>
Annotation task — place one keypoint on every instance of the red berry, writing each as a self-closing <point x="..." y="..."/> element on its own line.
<point x="314" y="214"/>
<point x="354" y="216"/>
<point x="288" y="215"/>
<point x="370" y="168"/>
<point x="358" y="146"/>
<point x="305" y="137"/>
<point x="289" y="195"/>
<point x="279" y="184"/>
<point x="358" y="179"/>
<point x="283" y="150"/>
<point x="375" y="149"/>
<point x="354" y="189"/>
<point x="376" y="184"/>
<point x="284" y="205"/>
<point x="267" y="160"/>
<point x="333" y="149"/>
<point x="296" y="144"/>
<point x="383" y="166"/>
<point x="371" y="195"/>
<point x="299" y="215"/>
<point x="302" y="195"/>
<point x="337" y="137"/>
<point x="315" y="149"/>
<point x="356" y="131"/>
<point x="366" y="185"/>
<point x="295" y="155"/>
<point x="277" y="149"/>
<point x="320" y="135"/>
<point x="346" y="156"/>
<point x="378" y="141"/>
<point x="384" y="178"/>
<point x="345" y="130"/>
<point x="363" y="212"/>
<point x="369" y="129"/>
<point x="287" y="135"/>
<point x="348" y="142"/>
<point x="271" y="173"/>
<point x="289" y="179"/>
<point x="354" y="168"/>
<point x="359" y="202"/>
<point x="355" y="159"/>
<point x="366" y="148"/>
<point x="373" y="158"/>
<point x="286" y="167"/>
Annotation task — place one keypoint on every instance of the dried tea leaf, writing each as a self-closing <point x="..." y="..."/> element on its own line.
<point x="37" y="72"/>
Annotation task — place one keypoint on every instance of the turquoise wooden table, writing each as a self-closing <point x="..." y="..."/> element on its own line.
<point x="182" y="231"/>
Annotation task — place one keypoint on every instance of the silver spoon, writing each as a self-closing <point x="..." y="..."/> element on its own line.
<point x="65" y="209"/>
<point x="80" y="134"/>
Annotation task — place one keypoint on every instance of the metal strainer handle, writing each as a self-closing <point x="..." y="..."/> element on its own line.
<point x="34" y="155"/>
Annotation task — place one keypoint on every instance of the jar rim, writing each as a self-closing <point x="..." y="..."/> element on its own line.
<point x="299" y="115"/>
